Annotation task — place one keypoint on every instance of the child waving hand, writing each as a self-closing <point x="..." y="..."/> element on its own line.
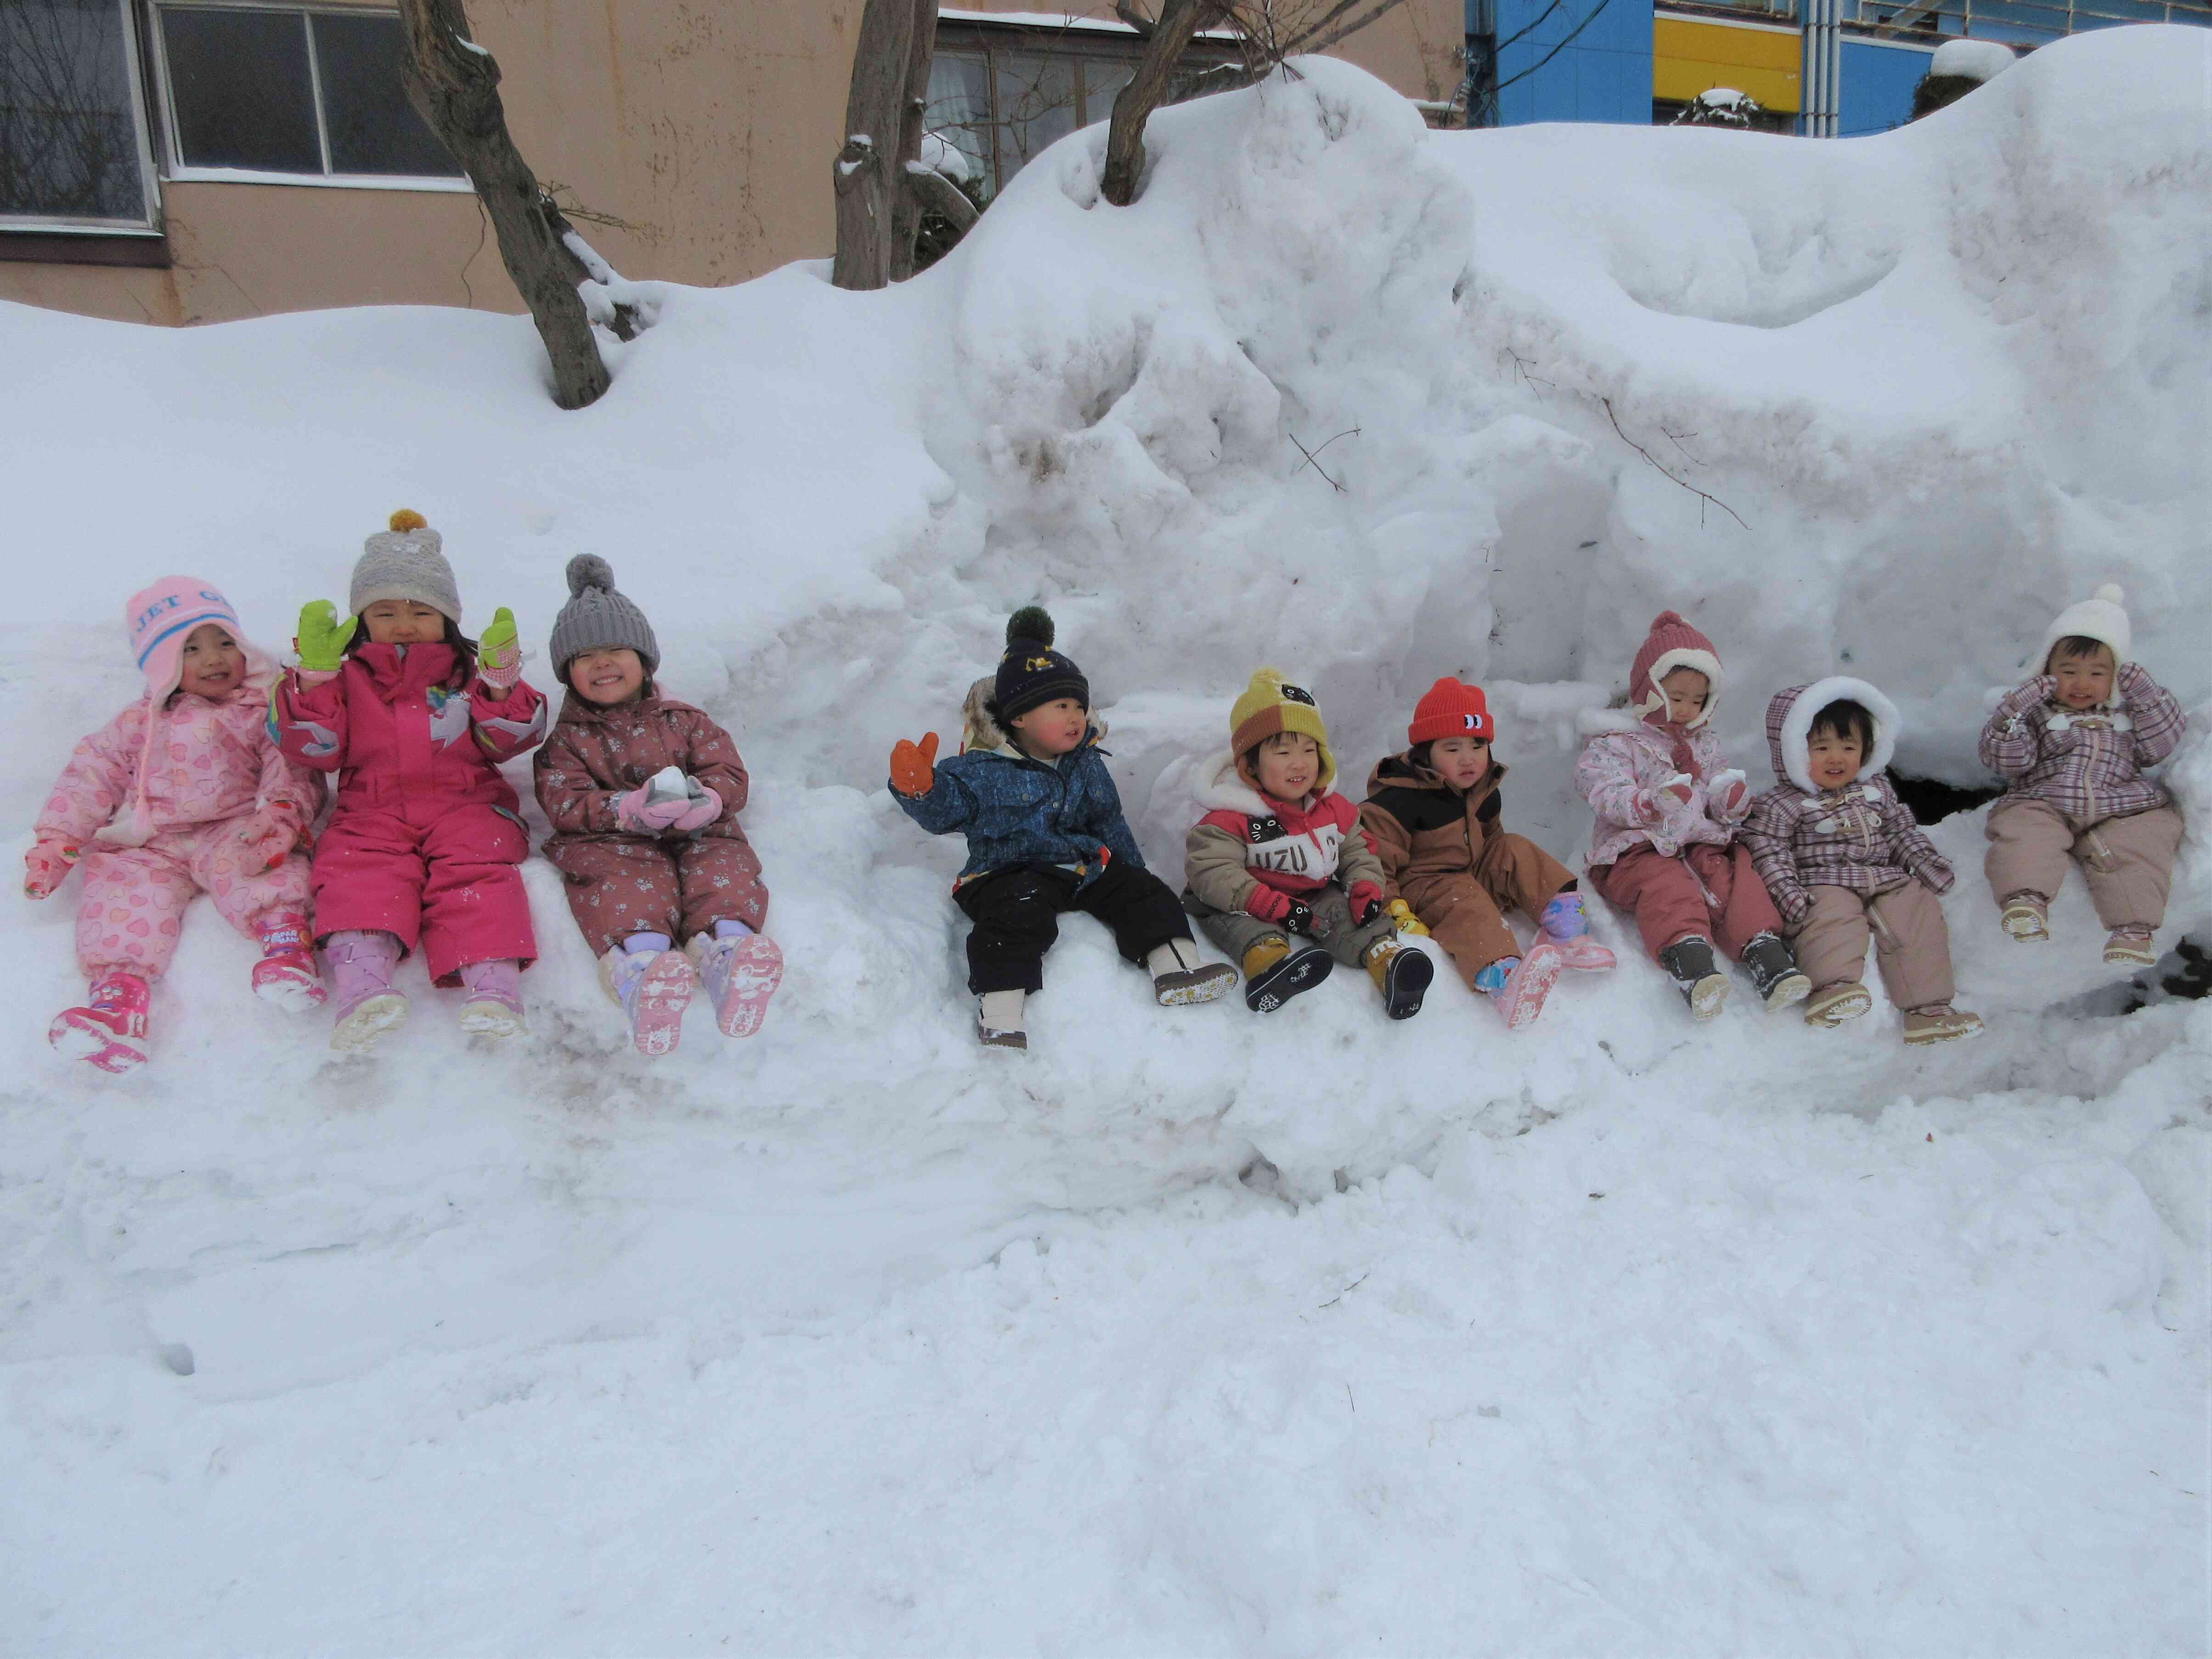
<point x="414" y="719"/>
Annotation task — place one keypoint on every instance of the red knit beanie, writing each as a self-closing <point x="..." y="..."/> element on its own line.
<point x="1451" y="710"/>
<point x="1672" y="644"/>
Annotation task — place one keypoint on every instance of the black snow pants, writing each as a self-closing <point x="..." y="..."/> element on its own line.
<point x="1017" y="916"/>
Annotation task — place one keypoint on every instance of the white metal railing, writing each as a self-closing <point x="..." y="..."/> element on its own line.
<point x="2027" y="22"/>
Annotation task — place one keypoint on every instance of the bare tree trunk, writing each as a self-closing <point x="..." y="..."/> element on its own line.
<point x="454" y="83"/>
<point x="868" y="178"/>
<point x="1179" y="19"/>
<point x="908" y="204"/>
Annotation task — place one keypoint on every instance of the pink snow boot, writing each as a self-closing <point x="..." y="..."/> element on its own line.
<point x="110" y="1030"/>
<point x="286" y="973"/>
<point x="494" y="1005"/>
<point x="1519" y="985"/>
<point x="362" y="965"/>
<point x="653" y="984"/>
<point x="740" y="970"/>
<point x="1566" y="924"/>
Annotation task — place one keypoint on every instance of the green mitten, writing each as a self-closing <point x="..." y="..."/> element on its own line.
<point x="497" y="652"/>
<point x="322" y="639"/>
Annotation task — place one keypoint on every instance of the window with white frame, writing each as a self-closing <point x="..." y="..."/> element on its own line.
<point x="292" y="92"/>
<point x="73" y="143"/>
<point x="999" y="97"/>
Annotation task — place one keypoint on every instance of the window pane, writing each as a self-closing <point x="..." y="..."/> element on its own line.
<point x="68" y="145"/>
<point x="239" y="82"/>
<point x="958" y="111"/>
<point x="1103" y="77"/>
<point x="372" y="126"/>
<point x="1036" y="105"/>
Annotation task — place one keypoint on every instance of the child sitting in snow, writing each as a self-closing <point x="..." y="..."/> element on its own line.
<point x="1842" y="857"/>
<point x="2072" y="744"/>
<point x="1434" y="816"/>
<point x="1663" y="849"/>
<point x="182" y="793"/>
<point x="1045" y="832"/>
<point x="643" y="793"/>
<point x="414" y="719"/>
<point x="1278" y="873"/>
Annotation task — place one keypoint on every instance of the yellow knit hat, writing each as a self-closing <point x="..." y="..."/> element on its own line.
<point x="1271" y="705"/>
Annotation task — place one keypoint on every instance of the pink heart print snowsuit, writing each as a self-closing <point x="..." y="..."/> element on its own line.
<point x="426" y="842"/>
<point x="156" y="798"/>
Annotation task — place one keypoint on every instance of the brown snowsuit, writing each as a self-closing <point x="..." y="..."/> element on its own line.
<point x="620" y="883"/>
<point x="1446" y="855"/>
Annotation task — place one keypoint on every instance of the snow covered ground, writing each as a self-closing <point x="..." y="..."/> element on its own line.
<point x="1621" y="1336"/>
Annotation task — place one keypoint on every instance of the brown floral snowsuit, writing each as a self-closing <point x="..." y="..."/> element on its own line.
<point x="621" y="882"/>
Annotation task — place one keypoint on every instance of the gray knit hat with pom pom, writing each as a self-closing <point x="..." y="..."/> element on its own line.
<point x="596" y="619"/>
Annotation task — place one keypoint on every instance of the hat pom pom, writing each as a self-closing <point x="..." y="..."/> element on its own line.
<point x="2112" y="593"/>
<point x="408" y="518"/>
<point x="1666" y="619"/>
<point x="589" y="570"/>
<point x="1032" y="622"/>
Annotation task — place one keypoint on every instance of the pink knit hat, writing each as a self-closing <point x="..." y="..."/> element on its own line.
<point x="160" y="618"/>
<point x="1672" y="644"/>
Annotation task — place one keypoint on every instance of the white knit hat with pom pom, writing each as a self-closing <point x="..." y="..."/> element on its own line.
<point x="597" y="619"/>
<point x="2099" y="618"/>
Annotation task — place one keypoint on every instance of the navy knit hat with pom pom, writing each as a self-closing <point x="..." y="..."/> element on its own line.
<point x="1033" y="673"/>
<point x="596" y="619"/>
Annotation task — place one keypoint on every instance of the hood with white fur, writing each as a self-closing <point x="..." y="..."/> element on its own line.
<point x="1790" y="714"/>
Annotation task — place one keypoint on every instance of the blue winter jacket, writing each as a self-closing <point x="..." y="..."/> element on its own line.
<point x="1016" y="810"/>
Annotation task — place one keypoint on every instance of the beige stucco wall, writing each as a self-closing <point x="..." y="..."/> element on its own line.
<point x="705" y="125"/>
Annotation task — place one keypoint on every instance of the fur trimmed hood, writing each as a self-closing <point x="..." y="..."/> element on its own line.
<point x="1790" y="716"/>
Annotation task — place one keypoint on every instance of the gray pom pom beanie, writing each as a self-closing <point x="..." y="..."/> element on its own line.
<point x="407" y="561"/>
<point x="597" y="619"/>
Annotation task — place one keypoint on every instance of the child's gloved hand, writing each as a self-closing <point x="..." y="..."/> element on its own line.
<point x="637" y="813"/>
<point x="2021" y="698"/>
<point x="268" y="835"/>
<point x="499" y="652"/>
<point x="1297" y="917"/>
<point x="1792" y="903"/>
<point x="1409" y="924"/>
<point x="1652" y="806"/>
<point x="1729" y="795"/>
<point x="45" y="866"/>
<point x="1366" y="900"/>
<point x="702" y="807"/>
<point x="322" y="639"/>
<point x="914" y="766"/>
<point x="2136" y="683"/>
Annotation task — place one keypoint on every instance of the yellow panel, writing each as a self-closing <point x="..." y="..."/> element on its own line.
<point x="1689" y="58"/>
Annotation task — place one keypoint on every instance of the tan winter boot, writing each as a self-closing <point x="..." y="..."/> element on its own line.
<point x="998" y="1020"/>
<point x="2131" y="947"/>
<point x="2027" y="918"/>
<point x="1180" y="975"/>
<point x="1939" y="1022"/>
<point x="1831" y="1005"/>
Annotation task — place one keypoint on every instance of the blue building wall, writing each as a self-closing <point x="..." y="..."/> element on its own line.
<point x="1876" y="86"/>
<point x="1605" y="75"/>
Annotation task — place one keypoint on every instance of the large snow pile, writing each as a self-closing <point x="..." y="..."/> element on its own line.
<point x="1623" y="1335"/>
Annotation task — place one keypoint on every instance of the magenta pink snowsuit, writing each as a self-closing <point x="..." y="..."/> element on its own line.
<point x="426" y="840"/>
<point x="209" y="767"/>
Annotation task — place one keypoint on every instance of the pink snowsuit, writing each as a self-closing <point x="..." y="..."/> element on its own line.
<point x="426" y="840"/>
<point x="210" y="766"/>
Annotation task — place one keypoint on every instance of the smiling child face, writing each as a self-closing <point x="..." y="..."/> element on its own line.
<point x="607" y="676"/>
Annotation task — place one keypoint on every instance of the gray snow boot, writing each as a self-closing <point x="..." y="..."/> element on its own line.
<point x="1773" y="969"/>
<point x="1689" y="962"/>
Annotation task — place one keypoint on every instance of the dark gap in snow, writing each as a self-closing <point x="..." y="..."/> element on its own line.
<point x="1933" y="800"/>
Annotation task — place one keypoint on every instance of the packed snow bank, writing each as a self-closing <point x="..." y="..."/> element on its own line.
<point x="847" y="1339"/>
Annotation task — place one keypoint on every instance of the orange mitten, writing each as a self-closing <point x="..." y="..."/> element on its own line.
<point x="914" y="766"/>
